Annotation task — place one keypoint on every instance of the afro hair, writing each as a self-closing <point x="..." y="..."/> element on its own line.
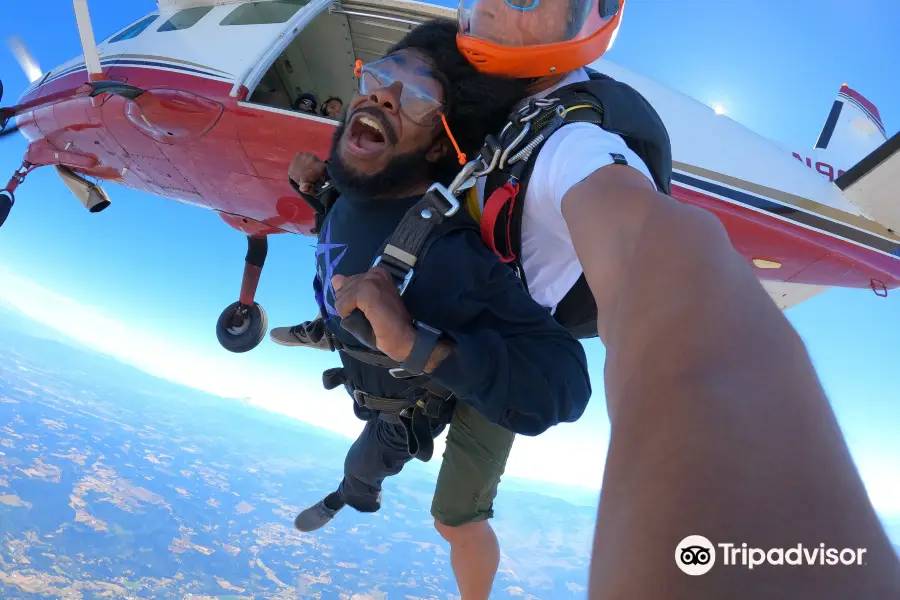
<point x="476" y="104"/>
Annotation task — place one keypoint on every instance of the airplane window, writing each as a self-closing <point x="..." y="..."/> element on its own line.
<point x="133" y="31"/>
<point x="185" y="18"/>
<point x="264" y="13"/>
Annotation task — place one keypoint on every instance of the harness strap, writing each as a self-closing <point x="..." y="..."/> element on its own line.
<point x="501" y="219"/>
<point x="430" y="401"/>
<point x="419" y="388"/>
<point x="502" y="198"/>
<point x="415" y="416"/>
<point x="418" y="433"/>
<point x="370" y="358"/>
<point x="403" y="250"/>
<point x="332" y="378"/>
<point x="320" y="203"/>
<point x="380" y="403"/>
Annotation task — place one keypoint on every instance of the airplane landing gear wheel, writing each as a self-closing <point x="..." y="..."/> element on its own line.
<point x="241" y="328"/>
<point x="6" y="203"/>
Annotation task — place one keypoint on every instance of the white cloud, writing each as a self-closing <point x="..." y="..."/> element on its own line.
<point x="571" y="454"/>
<point x="229" y="376"/>
<point x="549" y="457"/>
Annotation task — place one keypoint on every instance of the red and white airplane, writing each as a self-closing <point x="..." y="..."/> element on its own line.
<point x="194" y="102"/>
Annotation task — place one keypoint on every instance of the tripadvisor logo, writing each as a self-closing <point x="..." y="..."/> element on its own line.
<point x="696" y="555"/>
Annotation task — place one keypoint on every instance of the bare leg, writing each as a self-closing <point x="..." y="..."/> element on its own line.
<point x="473" y="464"/>
<point x="474" y="555"/>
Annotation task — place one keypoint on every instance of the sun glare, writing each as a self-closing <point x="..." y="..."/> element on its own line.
<point x="720" y="110"/>
<point x="238" y="376"/>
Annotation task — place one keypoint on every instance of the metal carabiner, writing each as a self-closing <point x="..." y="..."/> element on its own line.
<point x="525" y="153"/>
<point x="464" y="176"/>
<point x="515" y="143"/>
<point x="537" y="107"/>
<point x="488" y="168"/>
<point x="537" y="110"/>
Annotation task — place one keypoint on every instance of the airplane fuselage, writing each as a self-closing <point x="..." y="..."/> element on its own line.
<point x="200" y="138"/>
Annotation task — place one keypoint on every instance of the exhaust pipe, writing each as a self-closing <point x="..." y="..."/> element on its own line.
<point x="89" y="194"/>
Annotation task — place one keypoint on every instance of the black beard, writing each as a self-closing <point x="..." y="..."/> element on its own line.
<point x="398" y="177"/>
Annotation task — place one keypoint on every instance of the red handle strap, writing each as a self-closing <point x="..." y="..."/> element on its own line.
<point x="503" y="197"/>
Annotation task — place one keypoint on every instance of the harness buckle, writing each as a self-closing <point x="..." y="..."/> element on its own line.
<point x="468" y="172"/>
<point x="401" y="373"/>
<point x="445" y="194"/>
<point x="406" y="279"/>
<point x="401" y="287"/>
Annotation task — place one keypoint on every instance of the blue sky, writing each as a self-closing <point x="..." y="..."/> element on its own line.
<point x="147" y="279"/>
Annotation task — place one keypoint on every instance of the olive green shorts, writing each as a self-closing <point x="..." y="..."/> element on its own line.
<point x="474" y="460"/>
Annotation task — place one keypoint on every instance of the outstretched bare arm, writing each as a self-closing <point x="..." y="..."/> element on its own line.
<point x="720" y="426"/>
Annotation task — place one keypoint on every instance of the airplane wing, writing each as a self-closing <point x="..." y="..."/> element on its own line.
<point x="871" y="185"/>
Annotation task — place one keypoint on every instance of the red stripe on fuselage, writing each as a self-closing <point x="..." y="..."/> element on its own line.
<point x="808" y="256"/>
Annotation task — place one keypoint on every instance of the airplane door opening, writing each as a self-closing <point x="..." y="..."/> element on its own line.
<point x="320" y="58"/>
<point x="318" y="61"/>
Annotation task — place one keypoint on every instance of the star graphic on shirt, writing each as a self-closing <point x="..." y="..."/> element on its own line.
<point x="328" y="249"/>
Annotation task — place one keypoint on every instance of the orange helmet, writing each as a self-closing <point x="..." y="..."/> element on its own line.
<point x="535" y="38"/>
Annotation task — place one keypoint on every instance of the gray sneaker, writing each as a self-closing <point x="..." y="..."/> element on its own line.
<point x="310" y="334"/>
<point x="315" y="517"/>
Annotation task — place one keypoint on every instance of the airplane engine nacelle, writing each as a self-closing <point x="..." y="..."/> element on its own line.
<point x="89" y="194"/>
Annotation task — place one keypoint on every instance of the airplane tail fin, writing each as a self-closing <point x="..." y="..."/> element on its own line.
<point x="872" y="183"/>
<point x="852" y="130"/>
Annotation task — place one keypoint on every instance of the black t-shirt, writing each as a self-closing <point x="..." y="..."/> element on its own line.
<point x="512" y="361"/>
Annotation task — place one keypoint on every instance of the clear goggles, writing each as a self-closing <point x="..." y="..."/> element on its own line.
<point x="421" y="86"/>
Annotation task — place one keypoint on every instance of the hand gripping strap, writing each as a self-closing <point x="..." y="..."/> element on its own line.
<point x="401" y="253"/>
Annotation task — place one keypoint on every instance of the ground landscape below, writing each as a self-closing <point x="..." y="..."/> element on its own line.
<point x="115" y="484"/>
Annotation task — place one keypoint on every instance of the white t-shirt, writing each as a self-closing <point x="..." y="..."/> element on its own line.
<point x="570" y="155"/>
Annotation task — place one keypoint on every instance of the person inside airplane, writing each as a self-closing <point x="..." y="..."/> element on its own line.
<point x="305" y="103"/>
<point x="466" y="346"/>
<point x="333" y="108"/>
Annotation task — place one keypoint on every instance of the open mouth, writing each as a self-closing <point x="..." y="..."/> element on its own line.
<point x="366" y="134"/>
